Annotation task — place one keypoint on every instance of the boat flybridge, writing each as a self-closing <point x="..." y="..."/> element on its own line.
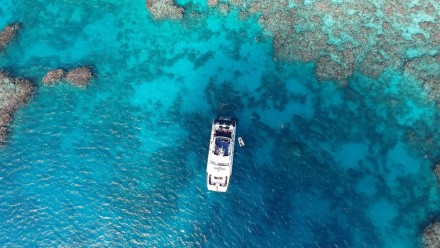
<point x="221" y="154"/>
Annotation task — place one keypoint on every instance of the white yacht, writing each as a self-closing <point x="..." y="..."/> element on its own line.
<point x="221" y="154"/>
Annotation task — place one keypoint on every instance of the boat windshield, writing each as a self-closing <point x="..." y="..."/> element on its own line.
<point x="223" y="133"/>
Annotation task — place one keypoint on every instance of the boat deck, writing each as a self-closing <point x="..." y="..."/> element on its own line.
<point x="221" y="146"/>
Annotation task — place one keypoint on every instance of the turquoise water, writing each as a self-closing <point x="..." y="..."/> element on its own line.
<point x="122" y="163"/>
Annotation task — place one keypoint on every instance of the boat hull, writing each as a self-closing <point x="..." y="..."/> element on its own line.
<point x="221" y="155"/>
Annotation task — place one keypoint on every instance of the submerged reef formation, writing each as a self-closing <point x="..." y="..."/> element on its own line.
<point x="363" y="36"/>
<point x="53" y="76"/>
<point x="425" y="70"/>
<point x="437" y="171"/>
<point x="224" y="8"/>
<point x="212" y="3"/>
<point x="431" y="236"/>
<point x="80" y="76"/>
<point x="14" y="93"/>
<point x="164" y="9"/>
<point x="7" y="34"/>
<point x="328" y="69"/>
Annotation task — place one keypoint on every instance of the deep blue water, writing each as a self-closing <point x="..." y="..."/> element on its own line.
<point x="122" y="163"/>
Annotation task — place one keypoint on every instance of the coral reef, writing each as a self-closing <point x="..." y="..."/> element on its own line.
<point x="224" y="8"/>
<point x="243" y="15"/>
<point x="431" y="235"/>
<point x="437" y="170"/>
<point x="53" y="76"/>
<point x="212" y="3"/>
<point x="80" y="76"/>
<point x="13" y="94"/>
<point x="195" y="14"/>
<point x="7" y="34"/>
<point x="426" y="71"/>
<point x="372" y="37"/>
<point x="164" y="9"/>
<point x="328" y="69"/>
<point x="237" y="3"/>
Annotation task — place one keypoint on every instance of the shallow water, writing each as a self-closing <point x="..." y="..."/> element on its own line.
<point x="122" y="163"/>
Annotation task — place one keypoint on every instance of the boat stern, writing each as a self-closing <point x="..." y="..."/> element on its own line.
<point x="217" y="188"/>
<point x="218" y="183"/>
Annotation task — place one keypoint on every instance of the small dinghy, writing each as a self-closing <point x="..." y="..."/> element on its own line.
<point x="240" y="141"/>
